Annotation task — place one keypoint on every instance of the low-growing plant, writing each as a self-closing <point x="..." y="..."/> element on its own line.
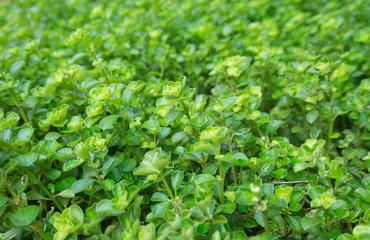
<point x="184" y="120"/>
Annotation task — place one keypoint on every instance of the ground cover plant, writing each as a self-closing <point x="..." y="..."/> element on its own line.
<point x="193" y="119"/>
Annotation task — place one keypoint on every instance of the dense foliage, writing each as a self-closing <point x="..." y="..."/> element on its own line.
<point x="194" y="119"/>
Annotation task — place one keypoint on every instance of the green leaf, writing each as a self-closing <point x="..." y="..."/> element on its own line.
<point x="266" y="169"/>
<point x="127" y="165"/>
<point x="25" y="216"/>
<point x="108" y="121"/>
<point x="78" y="56"/>
<point x="65" y="183"/>
<point x="309" y="222"/>
<point x="107" y="184"/>
<point x="26" y="159"/>
<point x="11" y="119"/>
<point x="66" y="194"/>
<point x="294" y="223"/>
<point x="219" y="219"/>
<point x="301" y="166"/>
<point x="296" y="197"/>
<point x="284" y="192"/>
<point x="312" y="116"/>
<point x="178" y="137"/>
<point x="258" y="216"/>
<point x="16" y="67"/>
<point x="159" y="197"/>
<point x="71" y="164"/>
<point x="171" y="116"/>
<point x="360" y="229"/>
<point x="2" y="200"/>
<point x="268" y="190"/>
<point x="346" y="236"/>
<point x="203" y="178"/>
<point x="24" y="135"/>
<point x="362" y="194"/>
<point x="53" y="174"/>
<point x="176" y="179"/>
<point x="274" y="125"/>
<point x="280" y="173"/>
<point x="81" y="185"/>
<point x="315" y="192"/>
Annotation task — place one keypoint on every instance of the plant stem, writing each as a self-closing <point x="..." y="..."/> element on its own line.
<point x="265" y="220"/>
<point x="167" y="187"/>
<point x="210" y="230"/>
<point x="221" y="182"/>
<point x="358" y="135"/>
<point x="320" y="120"/>
<point x="14" y="195"/>
<point x="10" y="146"/>
<point x="331" y="123"/>
<point x="258" y="129"/>
<point x="326" y="224"/>
<point x="232" y="165"/>
<point x="93" y="54"/>
<point x="240" y="175"/>
<point x="107" y="194"/>
<point x="291" y="182"/>
<point x="23" y="114"/>
<point x="43" y="188"/>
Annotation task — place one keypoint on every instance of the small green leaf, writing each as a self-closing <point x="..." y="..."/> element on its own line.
<point x="159" y="197"/>
<point x="176" y="179"/>
<point x="128" y="164"/>
<point x="26" y="159"/>
<point x="81" y="185"/>
<point x="258" y="216"/>
<point x="66" y="194"/>
<point x="107" y="184"/>
<point x="346" y="236"/>
<point x="311" y="116"/>
<point x="78" y="56"/>
<point x="65" y="183"/>
<point x="16" y="67"/>
<point x="274" y="125"/>
<point x="309" y="222"/>
<point x="2" y="200"/>
<point x="108" y="121"/>
<point x="178" y="137"/>
<point x="362" y="194"/>
<point x="25" y="216"/>
<point x="360" y="229"/>
<point x="71" y="164"/>
<point x="203" y="178"/>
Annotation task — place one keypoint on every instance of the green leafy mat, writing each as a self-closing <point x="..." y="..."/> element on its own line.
<point x="180" y="120"/>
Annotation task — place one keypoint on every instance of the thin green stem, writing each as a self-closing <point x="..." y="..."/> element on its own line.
<point x="23" y="114"/>
<point x="290" y="182"/>
<point x="258" y="129"/>
<point x="331" y="124"/>
<point x="167" y="187"/>
<point x="142" y="134"/>
<point x="10" y="146"/>
<point x="320" y="121"/>
<point x="326" y="224"/>
<point x="107" y="194"/>
<point x="14" y="195"/>
<point x="221" y="182"/>
<point x="232" y="165"/>
<point x="93" y="54"/>
<point x="210" y="230"/>
<point x="43" y="188"/>
<point x="358" y="135"/>
<point x="266" y="221"/>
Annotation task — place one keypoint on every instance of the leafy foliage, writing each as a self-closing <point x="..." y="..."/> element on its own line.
<point x="184" y="119"/>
